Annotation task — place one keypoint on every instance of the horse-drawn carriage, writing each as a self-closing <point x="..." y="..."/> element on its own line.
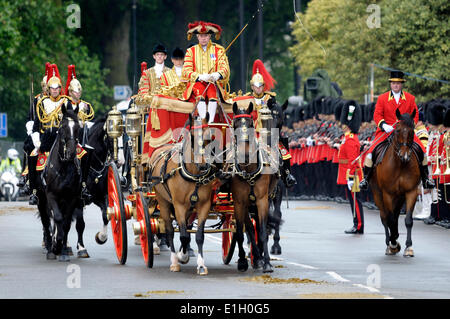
<point x="180" y="183"/>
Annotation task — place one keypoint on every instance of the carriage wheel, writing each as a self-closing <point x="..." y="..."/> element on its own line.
<point x="146" y="236"/>
<point x="256" y="240"/>
<point x="118" y="218"/>
<point x="228" y="240"/>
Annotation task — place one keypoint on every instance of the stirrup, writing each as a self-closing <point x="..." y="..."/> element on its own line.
<point x="364" y="184"/>
<point x="34" y="200"/>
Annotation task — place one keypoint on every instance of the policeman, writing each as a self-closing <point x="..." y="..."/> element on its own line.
<point x="11" y="161"/>
<point x="349" y="168"/>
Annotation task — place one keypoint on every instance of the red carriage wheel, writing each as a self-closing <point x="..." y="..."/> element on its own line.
<point x="228" y="240"/>
<point x="117" y="214"/>
<point x="145" y="235"/>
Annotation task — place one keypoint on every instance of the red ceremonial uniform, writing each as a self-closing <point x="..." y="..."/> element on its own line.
<point x="385" y="113"/>
<point x="348" y="151"/>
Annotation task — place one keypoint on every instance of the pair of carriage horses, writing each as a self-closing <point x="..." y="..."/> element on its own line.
<point x="394" y="183"/>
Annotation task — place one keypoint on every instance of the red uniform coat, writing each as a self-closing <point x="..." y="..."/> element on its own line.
<point x="385" y="113"/>
<point x="348" y="151"/>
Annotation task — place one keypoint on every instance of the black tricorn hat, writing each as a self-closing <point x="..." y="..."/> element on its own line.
<point x="436" y="112"/>
<point x="177" y="53"/>
<point x="397" y="76"/>
<point x="447" y="118"/>
<point x="159" y="48"/>
<point x="351" y="115"/>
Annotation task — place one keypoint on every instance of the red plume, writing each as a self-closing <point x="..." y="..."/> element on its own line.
<point x="143" y="67"/>
<point x="47" y="69"/>
<point x="70" y="76"/>
<point x="269" y="81"/>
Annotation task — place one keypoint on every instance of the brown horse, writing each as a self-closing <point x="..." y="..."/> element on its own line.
<point x="395" y="181"/>
<point x="184" y="182"/>
<point x="250" y="186"/>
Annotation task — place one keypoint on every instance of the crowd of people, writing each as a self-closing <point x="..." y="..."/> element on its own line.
<point x="316" y="134"/>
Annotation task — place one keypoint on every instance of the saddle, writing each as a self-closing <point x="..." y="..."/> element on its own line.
<point x="380" y="150"/>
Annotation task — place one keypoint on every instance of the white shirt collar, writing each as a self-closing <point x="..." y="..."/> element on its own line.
<point x="159" y="69"/>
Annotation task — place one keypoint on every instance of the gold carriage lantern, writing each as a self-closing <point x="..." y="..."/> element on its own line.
<point x="265" y="115"/>
<point x="133" y="122"/>
<point x="114" y="127"/>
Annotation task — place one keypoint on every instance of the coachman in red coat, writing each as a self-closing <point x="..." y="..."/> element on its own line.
<point x="384" y="116"/>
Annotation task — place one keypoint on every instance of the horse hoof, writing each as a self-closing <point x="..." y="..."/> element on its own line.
<point x="175" y="268"/>
<point x="392" y="250"/>
<point x="63" y="258"/>
<point x="275" y="250"/>
<point x="182" y="258"/>
<point x="267" y="268"/>
<point x="51" y="256"/>
<point x="259" y="264"/>
<point x="242" y="265"/>
<point x="202" y="271"/>
<point x="409" y="252"/>
<point x="100" y="238"/>
<point x="83" y="254"/>
<point x="69" y="251"/>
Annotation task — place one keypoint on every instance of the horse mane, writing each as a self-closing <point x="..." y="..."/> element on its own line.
<point x="97" y="127"/>
<point x="408" y="120"/>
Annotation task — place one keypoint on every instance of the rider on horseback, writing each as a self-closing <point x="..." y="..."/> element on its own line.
<point x="85" y="114"/>
<point x="261" y="84"/>
<point x="384" y="116"/>
<point x="48" y="110"/>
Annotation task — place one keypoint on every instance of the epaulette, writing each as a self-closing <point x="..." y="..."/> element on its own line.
<point x="270" y="93"/>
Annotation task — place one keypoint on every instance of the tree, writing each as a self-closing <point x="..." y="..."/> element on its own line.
<point x="32" y="33"/>
<point x="412" y="37"/>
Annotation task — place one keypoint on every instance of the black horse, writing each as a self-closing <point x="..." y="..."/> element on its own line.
<point x="62" y="180"/>
<point x="100" y="147"/>
<point x="275" y="221"/>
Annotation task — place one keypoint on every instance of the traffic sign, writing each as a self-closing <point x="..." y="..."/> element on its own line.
<point x="3" y="125"/>
<point x="122" y="92"/>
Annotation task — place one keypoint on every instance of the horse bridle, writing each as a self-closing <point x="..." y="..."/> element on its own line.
<point x="65" y="157"/>
<point x="398" y="145"/>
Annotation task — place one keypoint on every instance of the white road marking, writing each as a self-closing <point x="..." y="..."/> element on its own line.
<point x="371" y="289"/>
<point x="337" y="277"/>
<point x="301" y="265"/>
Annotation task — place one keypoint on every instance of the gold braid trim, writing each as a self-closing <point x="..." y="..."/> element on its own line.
<point x="86" y="116"/>
<point x="49" y="120"/>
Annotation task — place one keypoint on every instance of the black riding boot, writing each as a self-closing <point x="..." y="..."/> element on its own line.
<point x="32" y="179"/>
<point x="427" y="183"/>
<point x="364" y="184"/>
<point x="288" y="179"/>
<point x="85" y="164"/>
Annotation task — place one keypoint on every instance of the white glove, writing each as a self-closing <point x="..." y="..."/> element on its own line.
<point x="309" y="141"/>
<point x="35" y="137"/>
<point x="204" y="77"/>
<point x="350" y="184"/>
<point x="29" y="127"/>
<point x="215" y="76"/>
<point x="387" y="128"/>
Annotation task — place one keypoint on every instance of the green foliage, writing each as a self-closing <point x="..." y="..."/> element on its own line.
<point x="413" y="37"/>
<point x="32" y="33"/>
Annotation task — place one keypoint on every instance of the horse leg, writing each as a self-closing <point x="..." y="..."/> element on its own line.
<point x="263" y="211"/>
<point x="102" y="236"/>
<point x="165" y="215"/>
<point x="410" y="203"/>
<point x="239" y="211"/>
<point x="80" y="226"/>
<point x="58" y="234"/>
<point x="46" y="225"/>
<point x="276" y="248"/>
<point x="185" y="238"/>
<point x="203" y="211"/>
<point x="67" y="221"/>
